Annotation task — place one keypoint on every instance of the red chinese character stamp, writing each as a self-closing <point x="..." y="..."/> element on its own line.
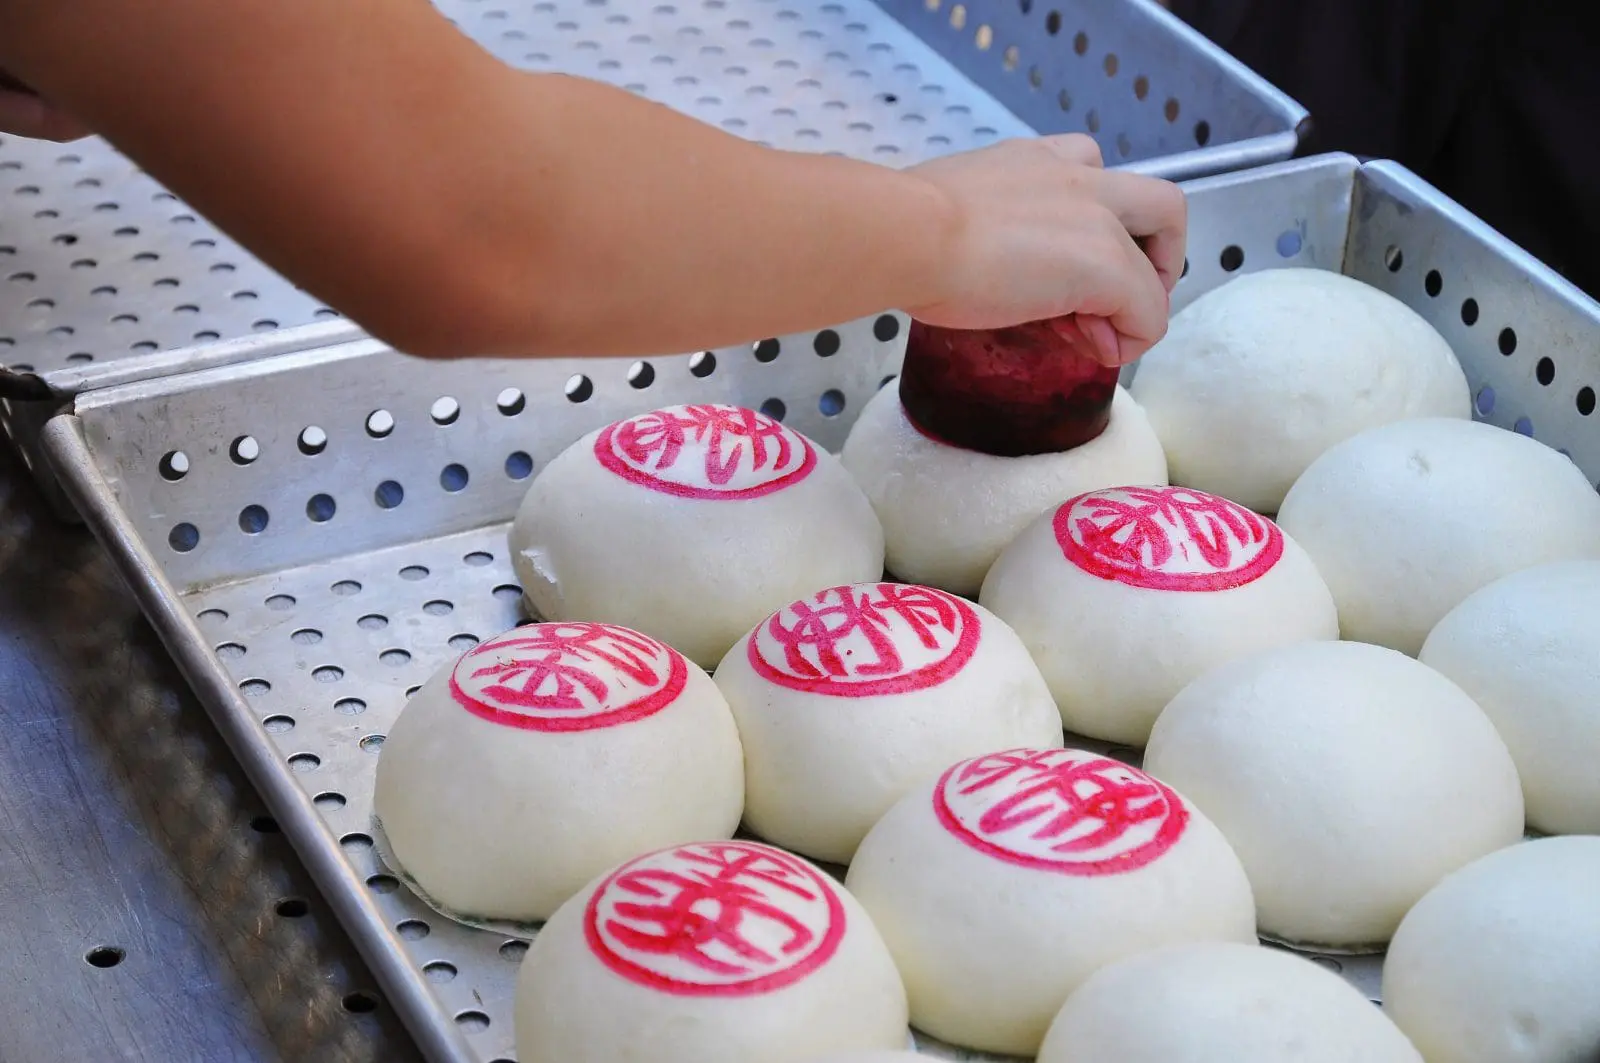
<point x="568" y="677"/>
<point x="715" y="919"/>
<point x="1167" y="538"/>
<point x="1062" y="810"/>
<point x="706" y="451"/>
<point x="865" y="640"/>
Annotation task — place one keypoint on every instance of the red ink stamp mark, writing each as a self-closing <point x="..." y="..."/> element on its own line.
<point x="568" y="677"/>
<point x="1167" y="538"/>
<point x="706" y="452"/>
<point x="865" y="640"/>
<point x="715" y="919"/>
<point x="1062" y="810"/>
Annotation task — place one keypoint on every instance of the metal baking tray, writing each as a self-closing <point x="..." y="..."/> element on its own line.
<point x="314" y="533"/>
<point x="106" y="277"/>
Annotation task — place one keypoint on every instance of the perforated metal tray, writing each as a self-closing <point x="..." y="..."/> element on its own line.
<point x="334" y="528"/>
<point x="105" y="277"/>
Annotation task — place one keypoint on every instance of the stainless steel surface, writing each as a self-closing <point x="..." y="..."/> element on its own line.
<point x="151" y="909"/>
<point x="106" y="277"/>
<point x="304" y="635"/>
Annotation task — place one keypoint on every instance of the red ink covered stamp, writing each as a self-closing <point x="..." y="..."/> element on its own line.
<point x="568" y="677"/>
<point x="866" y="640"/>
<point x="715" y="919"/>
<point x="1167" y="538"/>
<point x="1063" y="810"/>
<point x="706" y="451"/>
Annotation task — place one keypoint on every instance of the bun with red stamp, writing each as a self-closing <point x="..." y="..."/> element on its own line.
<point x="546" y="754"/>
<point x="849" y="697"/>
<point x="1012" y="877"/>
<point x="948" y="512"/>
<point x="1125" y="594"/>
<point x="690" y="523"/>
<point x="723" y="950"/>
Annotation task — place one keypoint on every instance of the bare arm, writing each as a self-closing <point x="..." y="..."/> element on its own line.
<point x="378" y="158"/>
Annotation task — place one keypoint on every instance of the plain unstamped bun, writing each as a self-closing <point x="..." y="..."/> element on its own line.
<point x="848" y="698"/>
<point x="1349" y="779"/>
<point x="545" y="755"/>
<point x="1010" y="879"/>
<point x="948" y="512"/>
<point x="1256" y="379"/>
<point x="1406" y="520"/>
<point x="1527" y="648"/>
<point x="1216" y="1002"/>
<point x="1501" y="962"/>
<point x="1126" y="594"/>
<point x="690" y="523"/>
<point x="719" y="951"/>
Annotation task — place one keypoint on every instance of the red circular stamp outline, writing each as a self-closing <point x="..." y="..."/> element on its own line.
<point x="726" y="440"/>
<point x="875" y="617"/>
<point x="562" y="670"/>
<point x="1128" y="534"/>
<point x="1058" y="793"/>
<point x="687" y="907"/>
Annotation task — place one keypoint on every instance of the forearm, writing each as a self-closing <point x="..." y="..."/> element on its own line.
<point x="453" y="206"/>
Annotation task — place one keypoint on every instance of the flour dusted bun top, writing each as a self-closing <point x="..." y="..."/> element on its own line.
<point x="1527" y="648"/>
<point x="543" y="756"/>
<point x="848" y="698"/>
<point x="691" y="523"/>
<point x="1500" y="963"/>
<point x="1004" y="883"/>
<point x="1349" y="779"/>
<point x="947" y="512"/>
<point x="708" y="951"/>
<point x="1256" y="379"/>
<point x="1124" y="595"/>
<point x="1406" y="520"/>
<point x="1221" y="1003"/>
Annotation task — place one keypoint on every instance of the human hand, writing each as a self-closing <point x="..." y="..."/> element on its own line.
<point x="24" y="113"/>
<point x="1046" y="231"/>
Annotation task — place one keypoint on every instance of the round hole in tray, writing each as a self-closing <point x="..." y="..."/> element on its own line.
<point x="1507" y="341"/>
<point x="510" y="402"/>
<point x="886" y="381"/>
<point x="173" y="466"/>
<point x="1171" y="109"/>
<point x="230" y="651"/>
<point x="413" y="929"/>
<point x="1185" y="271"/>
<point x="293" y="908"/>
<point x="1586" y="400"/>
<point x="1092" y="120"/>
<point x="1394" y="258"/>
<point x="826" y="343"/>
<point x="508" y="592"/>
<point x="278" y="724"/>
<point x="388" y="494"/>
<point x="774" y="408"/>
<point x="213" y="616"/>
<point x="383" y="883"/>
<point x="886" y="328"/>
<point x="1110" y="64"/>
<point x="279" y="603"/>
<point x="445" y="410"/>
<point x="1433" y="283"/>
<point x="266" y="324"/>
<point x="472" y="1021"/>
<point x="453" y="477"/>
<point x="254" y="688"/>
<point x="1141" y="87"/>
<point x="373" y="622"/>
<point x="478" y="559"/>
<point x="767" y="350"/>
<point x="641" y="375"/>
<point x="357" y="842"/>
<point x="984" y="38"/>
<point x="1523" y="426"/>
<point x="183" y="537"/>
<point x="703" y="364"/>
<point x="413" y="573"/>
<point x="1202" y="132"/>
<point x="372" y="744"/>
<point x="327" y="673"/>
<point x="463" y="641"/>
<point x="1080" y="43"/>
<point x="513" y="951"/>
<point x="1064" y="100"/>
<point x="439" y="971"/>
<point x="1012" y="58"/>
<point x="304" y="762"/>
<point x="579" y="388"/>
<point x="831" y="403"/>
<point x="345" y="588"/>
<point x="438" y="607"/>
<point x="321" y="508"/>
<point x="1469" y="312"/>
<point x="1232" y="257"/>
<point x="411" y="691"/>
<point x="1124" y="145"/>
<point x="350" y="706"/>
<point x="1289" y="243"/>
<point x="1545" y="371"/>
<point x="394" y="658"/>
<point x="306" y="636"/>
<point x="360" y="1003"/>
<point x="329" y="801"/>
<point x="380" y="423"/>
<point x="264" y="825"/>
<point x="519" y="465"/>
<point x="104" y="956"/>
<point x="253" y="519"/>
<point x="1483" y="402"/>
<point x="958" y="16"/>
